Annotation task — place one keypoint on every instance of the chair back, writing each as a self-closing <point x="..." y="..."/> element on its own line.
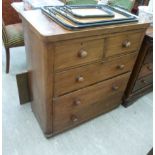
<point x="10" y="16"/>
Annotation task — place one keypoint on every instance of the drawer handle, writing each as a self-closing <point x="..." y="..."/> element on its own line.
<point x="144" y="81"/>
<point x="115" y="88"/>
<point x="149" y="68"/>
<point x="82" y="53"/>
<point x="126" y="44"/>
<point x="80" y="79"/>
<point x="74" y="118"/>
<point x="77" y="102"/>
<point x="120" y="66"/>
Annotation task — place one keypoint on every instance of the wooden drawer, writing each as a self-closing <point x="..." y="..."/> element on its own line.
<point x="146" y="70"/>
<point x="149" y="56"/>
<point x="76" y="107"/>
<point x="143" y="82"/>
<point x="72" y="53"/>
<point x="74" y="79"/>
<point x="122" y="43"/>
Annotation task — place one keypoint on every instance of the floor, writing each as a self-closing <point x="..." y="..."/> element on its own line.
<point x="123" y="131"/>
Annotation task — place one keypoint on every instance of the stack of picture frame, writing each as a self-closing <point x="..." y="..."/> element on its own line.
<point x="74" y="17"/>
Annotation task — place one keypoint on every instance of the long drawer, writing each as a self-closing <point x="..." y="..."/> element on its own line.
<point x="74" y="79"/>
<point x="122" y="43"/>
<point x="144" y="81"/>
<point x="76" y="107"/>
<point x="77" y="52"/>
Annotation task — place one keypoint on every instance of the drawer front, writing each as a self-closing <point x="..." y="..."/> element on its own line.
<point x="146" y="70"/>
<point x="122" y="43"/>
<point x="149" y="56"/>
<point x="143" y="82"/>
<point x="76" y="107"/>
<point x="68" y="54"/>
<point x="83" y="76"/>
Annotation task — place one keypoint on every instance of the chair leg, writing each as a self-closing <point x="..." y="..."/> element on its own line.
<point x="7" y="60"/>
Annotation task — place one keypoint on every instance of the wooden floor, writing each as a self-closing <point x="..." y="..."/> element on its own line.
<point x="124" y="131"/>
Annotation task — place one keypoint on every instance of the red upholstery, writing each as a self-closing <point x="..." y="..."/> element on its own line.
<point x="10" y="16"/>
<point x="138" y="3"/>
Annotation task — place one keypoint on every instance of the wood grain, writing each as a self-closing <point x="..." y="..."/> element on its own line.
<point x="144" y="81"/>
<point x="142" y="71"/>
<point x="94" y="100"/>
<point x="40" y="79"/>
<point x="99" y="59"/>
<point x="69" y="53"/>
<point x="23" y="87"/>
<point x="49" y="31"/>
<point x="149" y="55"/>
<point x="67" y="81"/>
<point x="146" y="70"/>
<point x="116" y="44"/>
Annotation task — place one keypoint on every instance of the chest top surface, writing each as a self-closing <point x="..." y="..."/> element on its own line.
<point x="51" y="31"/>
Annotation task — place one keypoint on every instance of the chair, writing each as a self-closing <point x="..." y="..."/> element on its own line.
<point x="10" y="16"/>
<point x="12" y="36"/>
<point x="138" y="3"/>
<point x="126" y="4"/>
<point x="80" y="2"/>
<point x="12" y="30"/>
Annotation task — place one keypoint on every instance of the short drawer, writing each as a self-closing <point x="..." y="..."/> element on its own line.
<point x="122" y="43"/>
<point x="146" y="70"/>
<point x="141" y="83"/>
<point x="77" y="78"/>
<point x="73" y="53"/>
<point x="76" y="107"/>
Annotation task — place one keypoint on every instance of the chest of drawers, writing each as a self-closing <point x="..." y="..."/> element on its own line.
<point x="76" y="76"/>
<point x="141" y="81"/>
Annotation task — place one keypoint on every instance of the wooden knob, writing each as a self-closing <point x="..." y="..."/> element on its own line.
<point x="115" y="88"/>
<point x="82" y="53"/>
<point x="143" y="81"/>
<point x="120" y="66"/>
<point x="80" y="79"/>
<point x="77" y="102"/>
<point x="126" y="44"/>
<point x="149" y="68"/>
<point x="74" y="118"/>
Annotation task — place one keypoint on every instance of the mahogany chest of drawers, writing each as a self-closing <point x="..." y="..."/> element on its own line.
<point x="77" y="75"/>
<point x="141" y="80"/>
